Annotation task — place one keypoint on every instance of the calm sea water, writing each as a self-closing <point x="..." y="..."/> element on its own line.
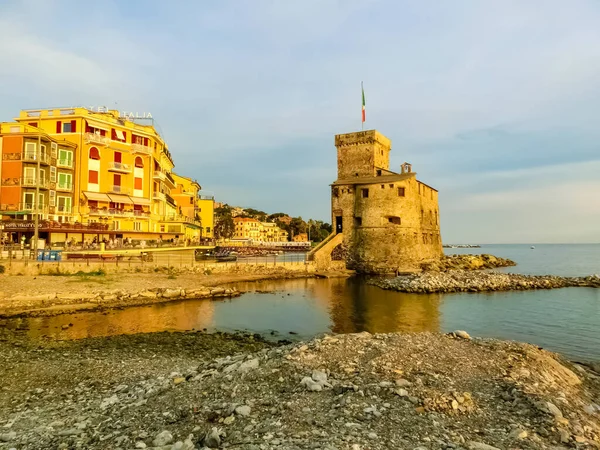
<point x="562" y="320"/>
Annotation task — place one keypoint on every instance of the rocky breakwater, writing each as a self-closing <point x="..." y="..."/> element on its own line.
<point x="48" y="304"/>
<point x="358" y="391"/>
<point x="466" y="262"/>
<point x="470" y="281"/>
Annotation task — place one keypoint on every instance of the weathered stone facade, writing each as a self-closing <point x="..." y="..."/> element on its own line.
<point x="389" y="220"/>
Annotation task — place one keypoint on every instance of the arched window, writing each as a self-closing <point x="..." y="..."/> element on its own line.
<point x="139" y="162"/>
<point x="94" y="153"/>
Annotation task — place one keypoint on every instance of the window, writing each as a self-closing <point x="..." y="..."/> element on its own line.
<point x="29" y="176"/>
<point x="42" y="176"/>
<point x="383" y="186"/>
<point x="65" y="158"/>
<point x="401" y="192"/>
<point x="139" y="162"/>
<point x="116" y="179"/>
<point x="30" y="150"/>
<point x="52" y="198"/>
<point x="64" y="204"/>
<point x="28" y="200"/>
<point x="365" y="193"/>
<point x="52" y="174"/>
<point x="117" y="157"/>
<point x="335" y="192"/>
<point x="378" y="172"/>
<point x="394" y="219"/>
<point x="53" y="148"/>
<point x="117" y="225"/>
<point x="137" y="226"/>
<point x="391" y="186"/>
<point x="358" y="221"/>
<point x="69" y="127"/>
<point x="43" y="150"/>
<point x="94" y="153"/>
<point x="93" y="177"/>
<point x="64" y="181"/>
<point x="138" y="183"/>
<point x="118" y="135"/>
<point x="208" y="229"/>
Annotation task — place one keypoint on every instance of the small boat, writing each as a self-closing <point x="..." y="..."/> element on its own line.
<point x="532" y="247"/>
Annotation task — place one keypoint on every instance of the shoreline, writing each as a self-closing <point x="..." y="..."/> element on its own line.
<point x="356" y="391"/>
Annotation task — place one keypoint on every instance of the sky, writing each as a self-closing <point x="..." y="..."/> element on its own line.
<point x="496" y="103"/>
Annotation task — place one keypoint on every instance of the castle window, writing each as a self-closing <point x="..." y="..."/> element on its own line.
<point x="394" y="219"/>
<point x="365" y="193"/>
<point x="391" y="186"/>
<point x="378" y="172"/>
<point x="382" y="186"/>
<point x="336" y="192"/>
<point x="401" y="191"/>
<point x="358" y="221"/>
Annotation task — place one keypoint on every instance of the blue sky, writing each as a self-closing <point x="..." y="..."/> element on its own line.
<point x="496" y="103"/>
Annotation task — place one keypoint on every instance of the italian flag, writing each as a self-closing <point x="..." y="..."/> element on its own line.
<point x="364" y="111"/>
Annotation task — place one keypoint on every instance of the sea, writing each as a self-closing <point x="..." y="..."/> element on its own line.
<point x="565" y="320"/>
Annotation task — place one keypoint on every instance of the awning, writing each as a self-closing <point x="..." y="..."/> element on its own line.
<point x="97" y="196"/>
<point x="140" y="201"/>
<point x="116" y="198"/>
<point x="97" y="126"/>
<point x="120" y="134"/>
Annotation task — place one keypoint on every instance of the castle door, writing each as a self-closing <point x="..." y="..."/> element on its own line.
<point x="338" y="224"/>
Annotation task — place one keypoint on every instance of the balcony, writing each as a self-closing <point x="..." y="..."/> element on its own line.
<point x="120" y="190"/>
<point x="118" y="212"/>
<point x="119" y="167"/>
<point x="7" y="209"/>
<point x="33" y="157"/>
<point x="68" y="163"/>
<point x="68" y="187"/>
<point x="140" y="148"/>
<point x="94" y="138"/>
<point x="33" y="182"/>
<point x="159" y="196"/>
<point x="63" y="209"/>
<point x="170" y="179"/>
<point x="182" y="218"/>
<point x="170" y="200"/>
<point x="158" y="175"/>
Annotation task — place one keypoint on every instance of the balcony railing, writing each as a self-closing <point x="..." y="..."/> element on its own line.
<point x="63" y="209"/>
<point x="8" y="208"/>
<point x="158" y="175"/>
<point x="119" y="167"/>
<point x="158" y="196"/>
<point x="140" y="148"/>
<point x="33" y="157"/>
<point x="94" y="138"/>
<point x="170" y="178"/>
<point x="170" y="199"/>
<point x="120" y="190"/>
<point x="33" y="182"/>
<point x="64" y="186"/>
<point x="64" y="162"/>
<point x="182" y="218"/>
<point x="206" y="197"/>
<point x="118" y="212"/>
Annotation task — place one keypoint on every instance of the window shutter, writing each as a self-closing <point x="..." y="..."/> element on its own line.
<point x="73" y="126"/>
<point x="146" y="142"/>
<point x="113" y="134"/>
<point x="58" y="126"/>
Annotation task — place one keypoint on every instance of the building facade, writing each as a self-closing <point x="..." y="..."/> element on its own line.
<point x="32" y="161"/>
<point x="390" y="221"/>
<point x="247" y="228"/>
<point x="101" y="173"/>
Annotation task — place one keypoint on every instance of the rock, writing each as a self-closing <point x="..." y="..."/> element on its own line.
<point x="247" y="366"/>
<point x="140" y="444"/>
<point x="462" y="334"/>
<point x="311" y="384"/>
<point x="163" y="438"/>
<point x="7" y="437"/>
<point x="212" y="439"/>
<point x="553" y="409"/>
<point x="109" y="401"/>
<point x="243" y="410"/>
<point x="474" y="445"/>
<point x="565" y="436"/>
<point x="147" y="294"/>
<point x="178" y="380"/>
<point x="171" y="293"/>
<point x="402" y="392"/>
<point x="518" y="434"/>
<point x="401" y="382"/>
<point x="319" y="376"/>
<point x="228" y="420"/>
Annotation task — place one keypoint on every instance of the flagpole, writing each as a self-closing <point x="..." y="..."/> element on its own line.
<point x="362" y="112"/>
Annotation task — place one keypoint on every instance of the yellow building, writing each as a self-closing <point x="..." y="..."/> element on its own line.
<point x="252" y="229"/>
<point x="123" y="175"/>
<point x="194" y="215"/>
<point x="206" y="211"/>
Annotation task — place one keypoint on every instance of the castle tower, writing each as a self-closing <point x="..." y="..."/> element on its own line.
<point x="389" y="220"/>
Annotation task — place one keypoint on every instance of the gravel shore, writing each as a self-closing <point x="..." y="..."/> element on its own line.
<point x="357" y="391"/>
<point x="473" y="281"/>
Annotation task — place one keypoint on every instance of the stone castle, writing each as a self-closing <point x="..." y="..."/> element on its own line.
<point x="384" y="221"/>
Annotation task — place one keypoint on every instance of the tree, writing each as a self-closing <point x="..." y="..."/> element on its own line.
<point x="224" y="226"/>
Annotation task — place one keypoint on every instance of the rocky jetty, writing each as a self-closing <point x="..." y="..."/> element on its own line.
<point x="357" y="391"/>
<point x="466" y="262"/>
<point x="477" y="281"/>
